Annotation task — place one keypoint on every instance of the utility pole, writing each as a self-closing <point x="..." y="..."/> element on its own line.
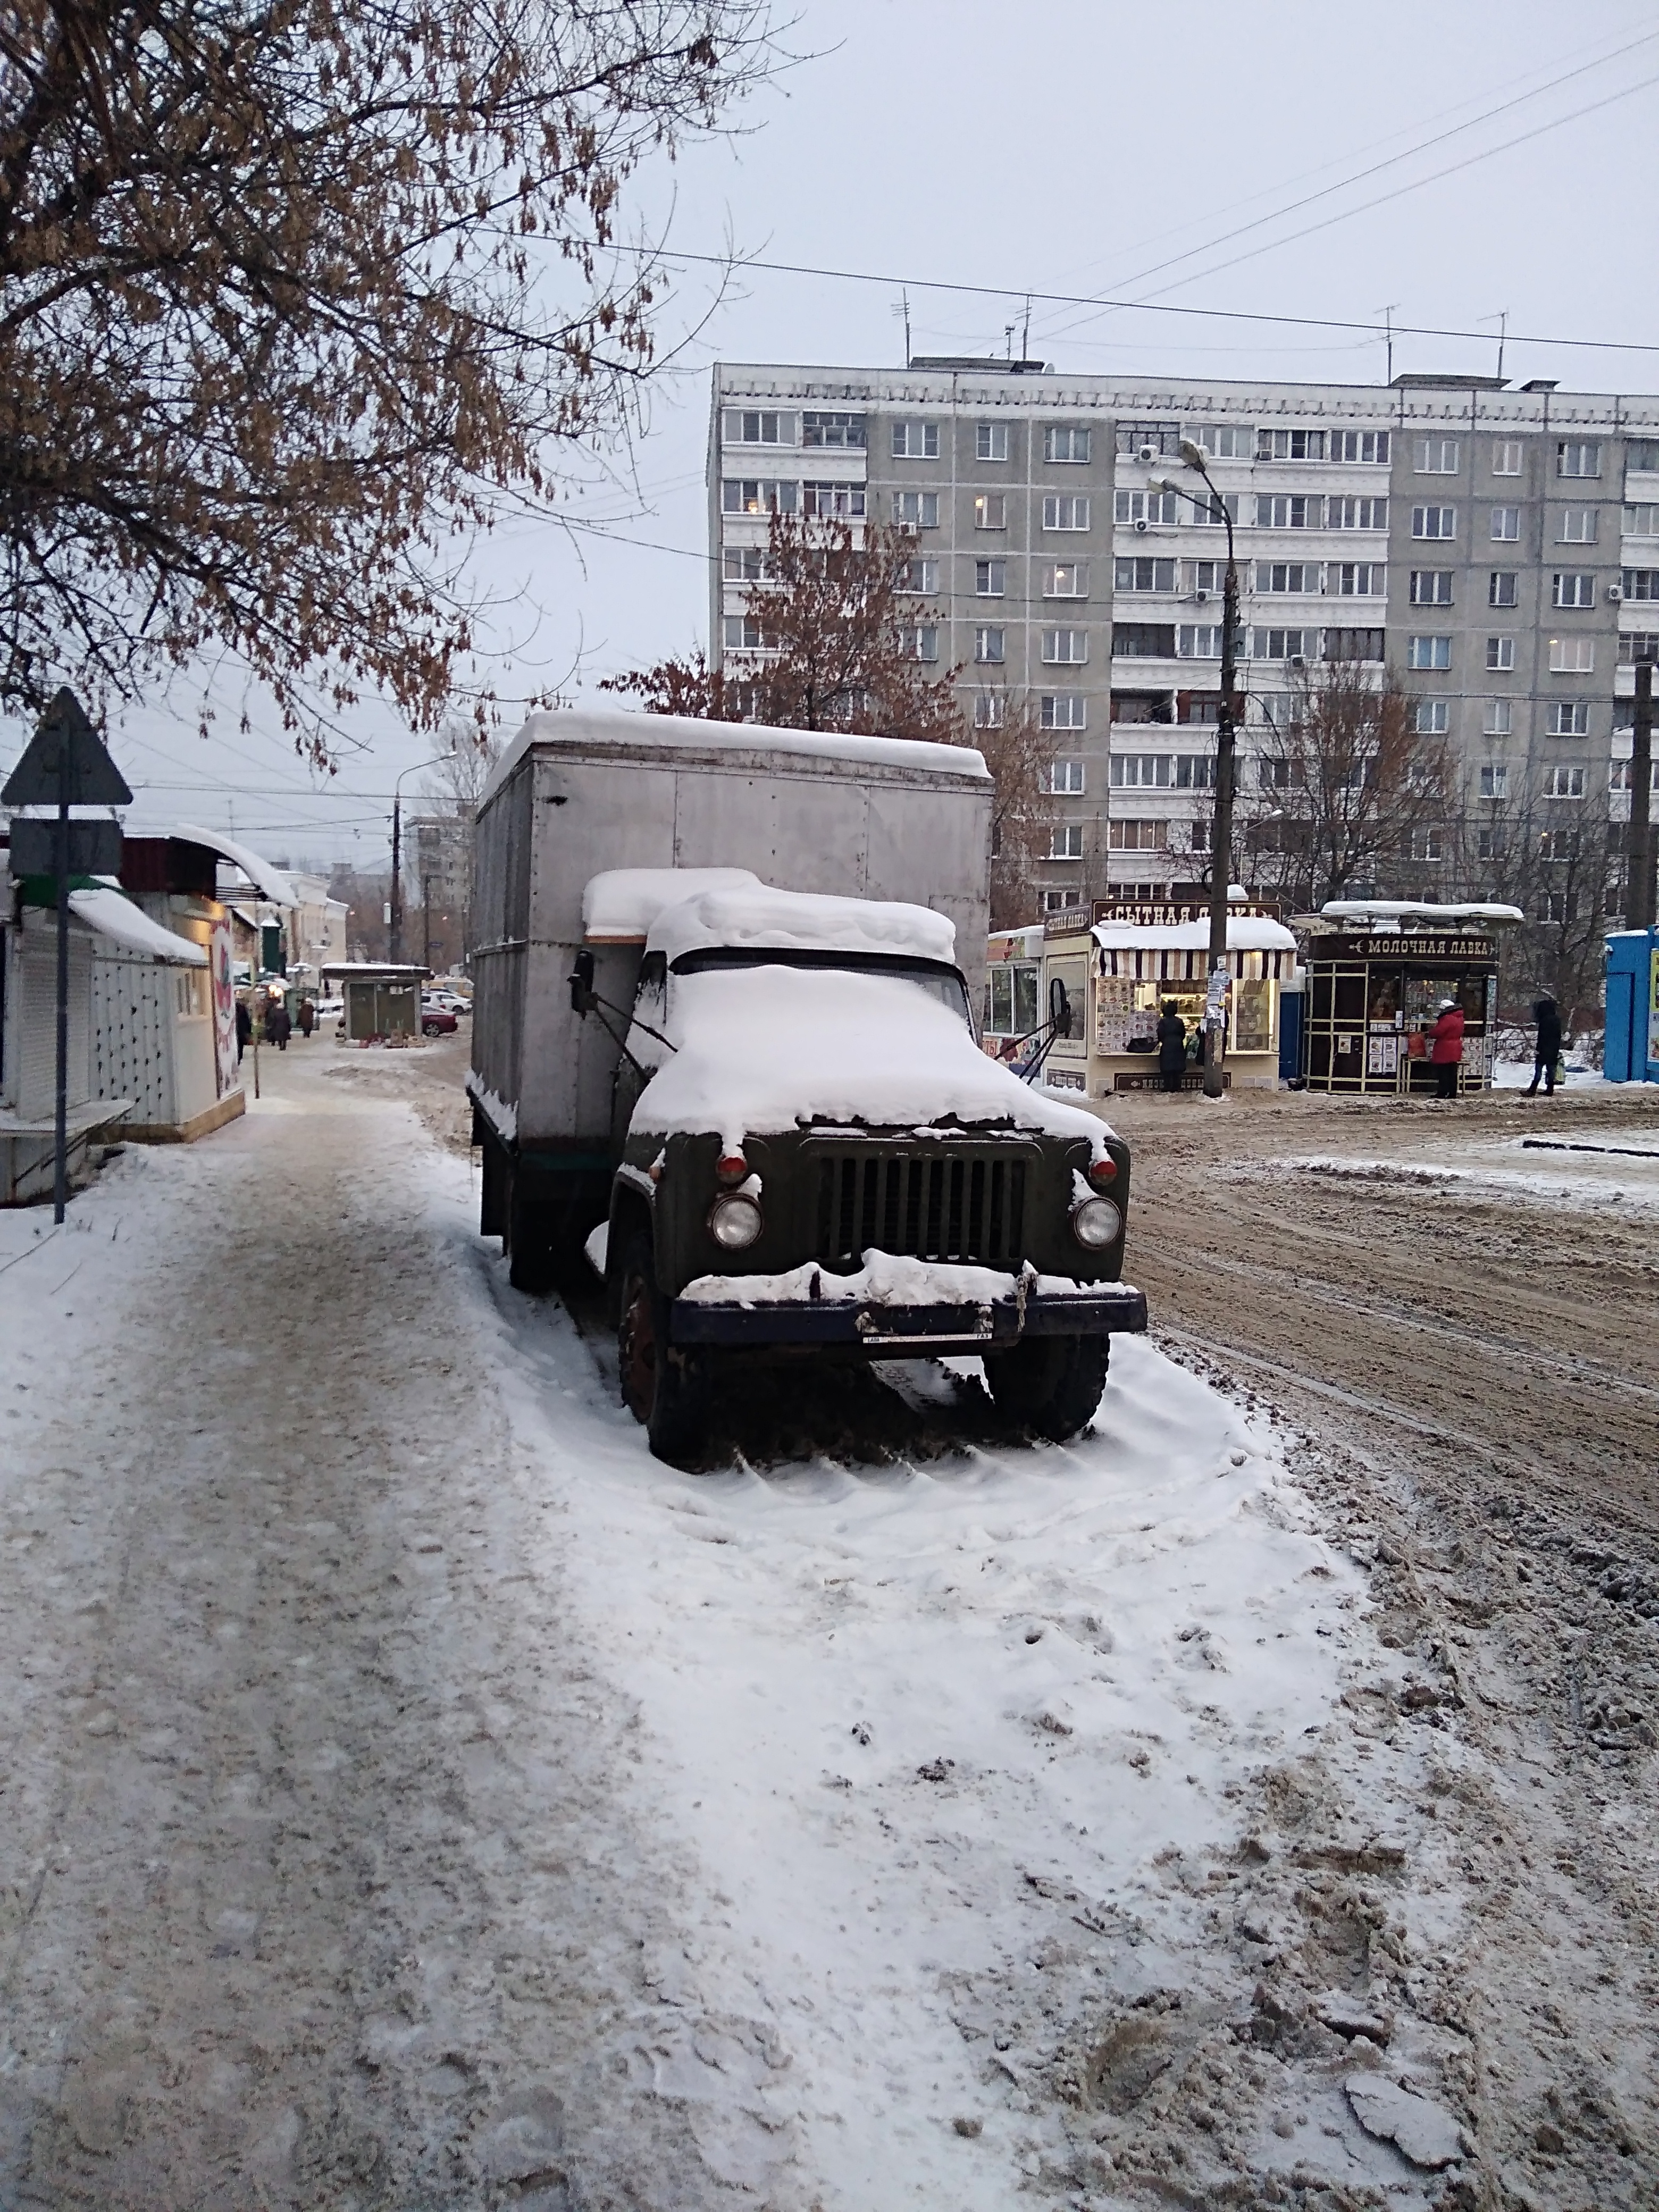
<point x="1639" y="888"/>
<point x="60" y="1109"/>
<point x="396" y="943"/>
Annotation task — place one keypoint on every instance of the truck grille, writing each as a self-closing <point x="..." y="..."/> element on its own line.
<point x="959" y="1207"/>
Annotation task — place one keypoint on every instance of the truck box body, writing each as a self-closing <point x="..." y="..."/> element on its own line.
<point x="582" y="792"/>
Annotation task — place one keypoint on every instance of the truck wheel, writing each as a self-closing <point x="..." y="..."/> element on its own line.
<point x="663" y="1385"/>
<point x="1050" y="1384"/>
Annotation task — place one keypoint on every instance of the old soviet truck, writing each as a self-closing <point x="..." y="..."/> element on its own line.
<point x="764" y="1111"/>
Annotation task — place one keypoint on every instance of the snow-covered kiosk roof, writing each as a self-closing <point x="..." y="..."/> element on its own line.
<point x="272" y="882"/>
<point x="1388" y="914"/>
<point x="112" y="915"/>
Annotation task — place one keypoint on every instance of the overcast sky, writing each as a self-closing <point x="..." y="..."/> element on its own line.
<point x="1065" y="146"/>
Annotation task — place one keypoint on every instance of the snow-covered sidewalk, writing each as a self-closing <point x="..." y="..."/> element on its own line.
<point x="417" y="1793"/>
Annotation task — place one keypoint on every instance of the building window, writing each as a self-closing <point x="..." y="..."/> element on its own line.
<point x="759" y="427"/>
<point x="1065" y="579"/>
<point x="919" y="642"/>
<point x="1428" y="652"/>
<point x="1426" y="844"/>
<point x="916" y="441"/>
<point x="991" y="511"/>
<point x="1224" y="441"/>
<point x="1488" y="843"/>
<point x="1299" y="577"/>
<point x="844" y="500"/>
<point x="1062" y="443"/>
<point x="1572" y="591"/>
<point x="1565" y="782"/>
<point x="818" y="428"/>
<point x="1133" y="574"/>
<point x="987" y="710"/>
<point x="1296" y="510"/>
<point x="1060" y="645"/>
<point x="1286" y="645"/>
<point x="989" y="647"/>
<point x="1642" y="521"/>
<point x="1431" y="718"/>
<point x="1436" y="456"/>
<point x="1209" y="515"/>
<point x="1132" y="506"/>
<point x="1290" y="445"/>
<point x="1362" y="446"/>
<point x="1131" y="439"/>
<point x="1577" y="527"/>
<point x="1578" y="457"/>
<point x="1432" y="587"/>
<point x="1142" y="771"/>
<point x="1198" y="640"/>
<point x="1506" y="524"/>
<point x="1066" y="779"/>
<point x="1643" y="455"/>
<point x="990" y="579"/>
<point x="1503" y="587"/>
<point x="1558" y="844"/>
<point x="1500" y="652"/>
<point x="747" y="495"/>
<point x="1063" y="710"/>
<point x="916" y="510"/>
<point x="1571" y="656"/>
<point x="1066" y="841"/>
<point x="746" y="564"/>
<point x="990" y="441"/>
<point x="1274" y="775"/>
<point x="918" y="577"/>
<point x="1640" y="583"/>
<point x="1133" y="641"/>
<point x="1361" y="579"/>
<point x="1499" y="718"/>
<point x="1507" y="457"/>
<point x="1635" y="645"/>
<point x="1359" y="513"/>
<point x="1354" y="645"/>
<point x="1195" y="771"/>
<point x="1130" y="836"/>
<point x="1434" y="522"/>
<point x="1567" y="718"/>
<point x="743" y="632"/>
<point x="1065" y="511"/>
<point x="1494" y="779"/>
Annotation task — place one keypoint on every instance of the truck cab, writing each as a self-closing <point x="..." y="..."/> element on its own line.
<point x="814" y="1158"/>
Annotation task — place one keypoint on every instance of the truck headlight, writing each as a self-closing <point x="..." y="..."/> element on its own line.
<point x="734" y="1221"/>
<point x="1096" y="1223"/>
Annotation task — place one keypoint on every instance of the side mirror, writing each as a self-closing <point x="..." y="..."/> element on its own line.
<point x="1060" y="1005"/>
<point x="581" y="984"/>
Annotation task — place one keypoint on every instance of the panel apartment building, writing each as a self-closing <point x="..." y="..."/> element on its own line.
<point x="1497" y="549"/>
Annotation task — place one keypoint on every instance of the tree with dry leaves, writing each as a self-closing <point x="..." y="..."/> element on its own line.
<point x="291" y="295"/>
<point x="836" y="640"/>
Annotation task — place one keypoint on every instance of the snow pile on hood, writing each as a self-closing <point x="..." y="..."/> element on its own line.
<point x="800" y="921"/>
<point x="620" y="905"/>
<point x="761" y="1050"/>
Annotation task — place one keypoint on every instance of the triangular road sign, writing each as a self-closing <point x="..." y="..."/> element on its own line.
<point x="94" y="778"/>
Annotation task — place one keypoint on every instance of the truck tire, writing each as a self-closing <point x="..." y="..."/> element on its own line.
<point x="1050" y="1384"/>
<point x="663" y="1385"/>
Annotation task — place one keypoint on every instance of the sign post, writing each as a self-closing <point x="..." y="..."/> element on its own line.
<point x="64" y="764"/>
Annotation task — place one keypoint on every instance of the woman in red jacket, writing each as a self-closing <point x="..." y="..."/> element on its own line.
<point x="1446" y="1051"/>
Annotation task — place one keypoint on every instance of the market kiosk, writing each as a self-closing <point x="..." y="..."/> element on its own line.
<point x="1377" y="970"/>
<point x="1118" y="963"/>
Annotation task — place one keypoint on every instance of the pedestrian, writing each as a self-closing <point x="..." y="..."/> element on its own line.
<point x="1547" y="1050"/>
<point x="243" y="1029"/>
<point x="279" y="1024"/>
<point x="1446" y="1049"/>
<point x="1171" y="1034"/>
<point x="307" y="1018"/>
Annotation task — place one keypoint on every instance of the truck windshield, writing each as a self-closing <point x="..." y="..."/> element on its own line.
<point x="939" y="980"/>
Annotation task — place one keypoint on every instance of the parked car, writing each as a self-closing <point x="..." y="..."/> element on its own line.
<point x="448" y="1002"/>
<point x="437" y="1021"/>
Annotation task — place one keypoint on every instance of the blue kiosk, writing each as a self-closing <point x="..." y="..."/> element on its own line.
<point x="1632" y="1052"/>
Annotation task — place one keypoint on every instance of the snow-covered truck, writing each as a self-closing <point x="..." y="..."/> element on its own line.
<point x="760" y="1106"/>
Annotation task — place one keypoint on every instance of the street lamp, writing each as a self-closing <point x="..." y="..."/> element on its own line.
<point x="397" y="944"/>
<point x="1211" y="502"/>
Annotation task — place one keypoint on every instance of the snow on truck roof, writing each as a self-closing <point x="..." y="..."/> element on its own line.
<point x="593" y="725"/>
<point x="757" y="918"/>
<point x="619" y="906"/>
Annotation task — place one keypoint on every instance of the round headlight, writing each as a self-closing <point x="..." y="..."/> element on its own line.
<point x="1096" y="1223"/>
<point x="734" y="1222"/>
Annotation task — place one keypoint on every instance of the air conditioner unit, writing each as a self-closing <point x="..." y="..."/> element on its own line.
<point x="1615" y="591"/>
<point x="1201" y="596"/>
<point x="1141" y="524"/>
<point x="1296" y="661"/>
<point x="1146" y="453"/>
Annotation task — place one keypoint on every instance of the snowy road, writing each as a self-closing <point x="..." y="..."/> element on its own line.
<point x="414" y="1795"/>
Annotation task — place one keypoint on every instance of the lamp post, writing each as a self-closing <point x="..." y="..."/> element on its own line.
<point x="397" y="900"/>
<point x="1221" y="834"/>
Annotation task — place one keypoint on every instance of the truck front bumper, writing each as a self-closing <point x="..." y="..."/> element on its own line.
<point x="886" y="1332"/>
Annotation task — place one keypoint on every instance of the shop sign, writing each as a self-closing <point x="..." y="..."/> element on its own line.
<point x="1385" y="950"/>
<point x="1164" y="915"/>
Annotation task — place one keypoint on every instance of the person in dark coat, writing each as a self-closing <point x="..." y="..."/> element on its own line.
<point x="279" y="1024"/>
<point x="307" y="1018"/>
<point x="1446" y="1050"/>
<point x="243" y="1029"/>
<point x="1547" y="1049"/>
<point x="1171" y="1034"/>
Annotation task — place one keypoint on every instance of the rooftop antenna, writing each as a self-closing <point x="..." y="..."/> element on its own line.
<point x="1025" y="334"/>
<point x="1503" y="334"/>
<point x="1387" y="314"/>
<point x="901" y="307"/>
<point x="1008" y="338"/>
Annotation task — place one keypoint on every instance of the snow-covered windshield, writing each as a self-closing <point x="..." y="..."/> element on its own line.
<point x="939" y="981"/>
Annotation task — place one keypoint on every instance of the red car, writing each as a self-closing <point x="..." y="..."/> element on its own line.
<point x="438" y="1021"/>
